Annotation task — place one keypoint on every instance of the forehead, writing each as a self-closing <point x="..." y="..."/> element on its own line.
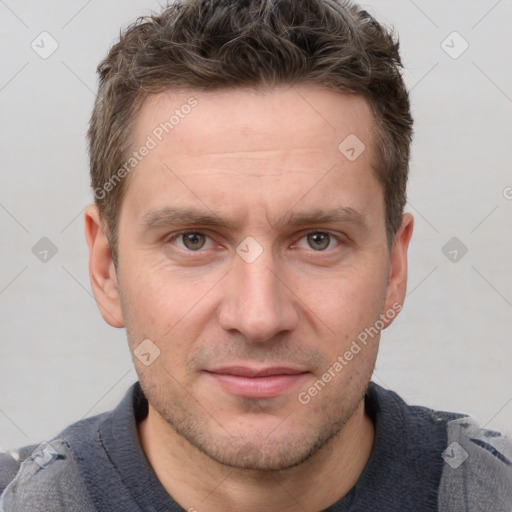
<point x="266" y="143"/>
<point x="282" y="115"/>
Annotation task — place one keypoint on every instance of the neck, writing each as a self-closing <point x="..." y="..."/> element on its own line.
<point x="197" y="482"/>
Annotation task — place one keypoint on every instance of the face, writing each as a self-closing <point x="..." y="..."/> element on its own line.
<point x="252" y="255"/>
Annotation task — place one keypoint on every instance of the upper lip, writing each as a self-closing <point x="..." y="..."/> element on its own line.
<point x="245" y="371"/>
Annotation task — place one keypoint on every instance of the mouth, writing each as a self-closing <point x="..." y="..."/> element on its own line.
<point x="257" y="383"/>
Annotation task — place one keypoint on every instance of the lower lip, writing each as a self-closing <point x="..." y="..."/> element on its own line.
<point x="257" y="387"/>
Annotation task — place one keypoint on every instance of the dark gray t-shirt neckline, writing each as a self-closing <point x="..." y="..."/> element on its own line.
<point x="403" y="472"/>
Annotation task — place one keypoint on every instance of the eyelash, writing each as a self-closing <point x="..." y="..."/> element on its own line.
<point x="337" y="238"/>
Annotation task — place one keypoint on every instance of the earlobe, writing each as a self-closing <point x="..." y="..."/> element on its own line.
<point x="102" y="273"/>
<point x="397" y="281"/>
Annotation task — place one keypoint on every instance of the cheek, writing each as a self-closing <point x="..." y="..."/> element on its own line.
<point x="346" y="304"/>
<point x="345" y="318"/>
<point x="155" y="296"/>
<point x="159" y="306"/>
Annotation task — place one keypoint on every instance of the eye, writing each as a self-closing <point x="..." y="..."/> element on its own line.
<point x="194" y="241"/>
<point x="318" y="240"/>
<point x="190" y="240"/>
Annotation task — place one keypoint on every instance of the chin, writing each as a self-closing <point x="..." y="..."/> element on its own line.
<point x="274" y="451"/>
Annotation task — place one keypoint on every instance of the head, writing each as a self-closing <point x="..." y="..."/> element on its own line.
<point x="249" y="163"/>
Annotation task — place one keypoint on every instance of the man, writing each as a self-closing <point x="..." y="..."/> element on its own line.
<point x="249" y="164"/>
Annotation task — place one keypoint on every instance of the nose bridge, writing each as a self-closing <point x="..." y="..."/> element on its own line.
<point x="258" y="281"/>
<point x="257" y="303"/>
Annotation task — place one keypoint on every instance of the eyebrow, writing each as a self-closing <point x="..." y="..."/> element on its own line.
<point x="191" y="216"/>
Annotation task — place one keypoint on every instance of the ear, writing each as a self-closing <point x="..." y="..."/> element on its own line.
<point x="101" y="269"/>
<point x="397" y="280"/>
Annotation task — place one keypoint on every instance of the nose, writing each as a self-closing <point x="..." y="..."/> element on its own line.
<point x="257" y="302"/>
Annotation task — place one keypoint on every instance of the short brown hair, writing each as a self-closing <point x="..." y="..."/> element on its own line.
<point x="213" y="44"/>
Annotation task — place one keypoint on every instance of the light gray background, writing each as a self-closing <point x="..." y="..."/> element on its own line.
<point x="450" y="347"/>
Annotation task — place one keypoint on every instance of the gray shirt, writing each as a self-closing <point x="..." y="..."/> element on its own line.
<point x="422" y="461"/>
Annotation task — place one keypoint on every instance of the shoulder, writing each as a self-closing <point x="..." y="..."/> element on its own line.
<point x="10" y="463"/>
<point x="40" y="477"/>
<point x="44" y="480"/>
<point x="72" y="472"/>
<point x="477" y="473"/>
<point x="469" y="466"/>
